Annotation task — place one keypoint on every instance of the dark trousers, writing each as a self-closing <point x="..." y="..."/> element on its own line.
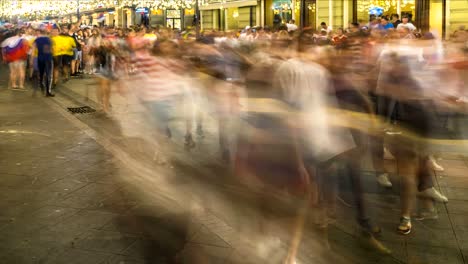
<point x="45" y="72"/>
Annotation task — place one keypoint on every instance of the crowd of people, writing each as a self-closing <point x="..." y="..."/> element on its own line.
<point x="308" y="102"/>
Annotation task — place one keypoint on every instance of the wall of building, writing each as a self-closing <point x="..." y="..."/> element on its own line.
<point x="457" y="14"/>
<point x="207" y="19"/>
<point x="337" y="14"/>
<point x="323" y="11"/>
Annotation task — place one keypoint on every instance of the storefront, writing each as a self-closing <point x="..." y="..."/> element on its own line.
<point x="385" y="8"/>
<point x="441" y="16"/>
<point x="278" y="12"/>
<point x="231" y="15"/>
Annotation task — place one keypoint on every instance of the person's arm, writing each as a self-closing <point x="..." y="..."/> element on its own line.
<point x="33" y="51"/>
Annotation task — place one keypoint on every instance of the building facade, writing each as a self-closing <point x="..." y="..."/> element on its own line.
<point x="230" y="15"/>
<point x="443" y="16"/>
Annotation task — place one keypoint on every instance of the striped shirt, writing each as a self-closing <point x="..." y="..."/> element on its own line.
<point x="157" y="78"/>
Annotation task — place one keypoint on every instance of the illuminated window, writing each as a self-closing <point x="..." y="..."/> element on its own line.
<point x="384" y="7"/>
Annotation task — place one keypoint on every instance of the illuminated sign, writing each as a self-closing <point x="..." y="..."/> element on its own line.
<point x="142" y="10"/>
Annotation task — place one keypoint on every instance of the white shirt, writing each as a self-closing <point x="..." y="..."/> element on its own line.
<point x="309" y="88"/>
<point x="291" y="27"/>
<point x="408" y="25"/>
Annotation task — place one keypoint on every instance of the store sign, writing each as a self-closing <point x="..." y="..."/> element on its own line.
<point x="142" y="10"/>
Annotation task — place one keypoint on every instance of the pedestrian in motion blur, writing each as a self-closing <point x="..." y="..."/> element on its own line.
<point x="43" y="48"/>
<point x="15" y="53"/>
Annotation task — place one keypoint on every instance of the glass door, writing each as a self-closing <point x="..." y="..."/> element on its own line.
<point x="173" y="18"/>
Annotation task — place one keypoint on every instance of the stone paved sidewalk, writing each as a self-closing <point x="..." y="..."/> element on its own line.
<point x="76" y="189"/>
<point x="433" y="241"/>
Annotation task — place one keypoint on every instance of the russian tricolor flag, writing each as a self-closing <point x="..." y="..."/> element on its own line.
<point x="15" y="48"/>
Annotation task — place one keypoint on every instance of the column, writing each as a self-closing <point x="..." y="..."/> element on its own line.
<point x="446" y="19"/>
<point x="317" y="20"/>
<point x="345" y="13"/>
<point x="330" y="13"/>
<point x="215" y="17"/>
<point x="399" y="7"/>
<point x="262" y="13"/>
<point x="226" y="18"/>
<point x="422" y="14"/>
<point x="258" y="16"/>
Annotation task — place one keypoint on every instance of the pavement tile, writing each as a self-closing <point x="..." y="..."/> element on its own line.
<point x="453" y="181"/>
<point x="14" y="181"/>
<point x="66" y="185"/>
<point x="238" y="258"/>
<point x="96" y="189"/>
<point x="453" y="193"/>
<point x="116" y="203"/>
<point x="126" y="224"/>
<point x="351" y="249"/>
<point x="206" y="237"/>
<point x="93" y="202"/>
<point x="433" y="237"/>
<point x="77" y="256"/>
<point x="45" y="216"/>
<point x="105" y="241"/>
<point x="62" y="235"/>
<point x="196" y="253"/>
<point x="454" y="168"/>
<point x="160" y="248"/>
<point x="452" y="156"/>
<point x="433" y="255"/>
<point x="98" y="177"/>
<point x="87" y="219"/>
<point x="27" y="255"/>
<point x="442" y="222"/>
<point x="119" y="259"/>
<point x="457" y="207"/>
<point x="12" y="239"/>
<point x="459" y="222"/>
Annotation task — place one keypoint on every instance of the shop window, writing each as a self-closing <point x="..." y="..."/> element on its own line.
<point x="282" y="11"/>
<point x="173" y="19"/>
<point x="384" y="7"/>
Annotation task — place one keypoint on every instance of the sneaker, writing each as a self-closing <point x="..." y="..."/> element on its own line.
<point x="404" y="227"/>
<point x="384" y="181"/>
<point x="432" y="193"/>
<point x="433" y="163"/>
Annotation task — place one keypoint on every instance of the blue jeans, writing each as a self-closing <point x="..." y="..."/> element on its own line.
<point x="46" y="69"/>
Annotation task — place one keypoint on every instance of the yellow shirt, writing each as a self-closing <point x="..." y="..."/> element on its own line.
<point x="63" y="45"/>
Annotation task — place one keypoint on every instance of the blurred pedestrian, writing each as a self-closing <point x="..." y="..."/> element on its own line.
<point x="15" y="52"/>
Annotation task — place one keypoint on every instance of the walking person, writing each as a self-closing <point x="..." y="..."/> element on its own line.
<point x="62" y="51"/>
<point x="15" y="53"/>
<point x="43" y="48"/>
